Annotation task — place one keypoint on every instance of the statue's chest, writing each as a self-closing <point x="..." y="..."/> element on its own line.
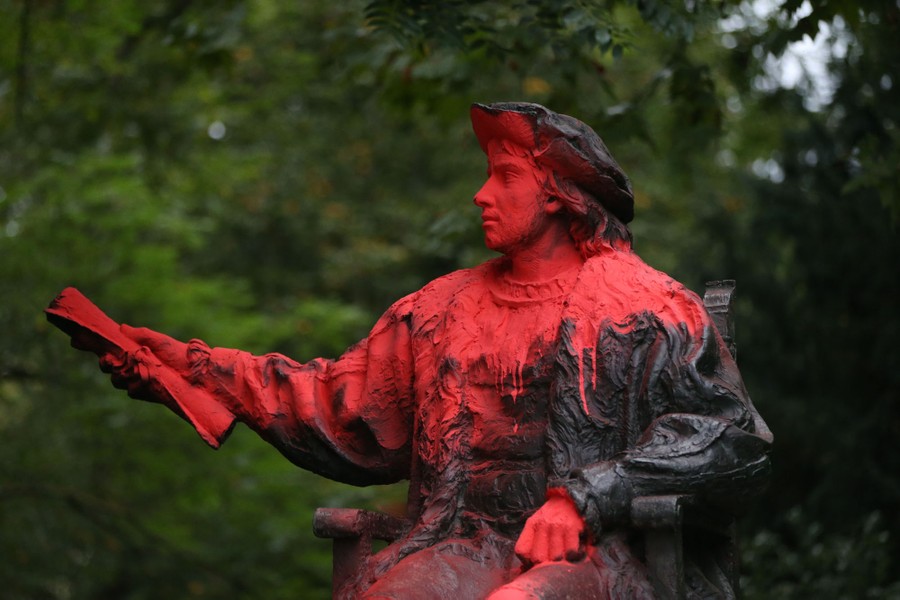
<point x="505" y="366"/>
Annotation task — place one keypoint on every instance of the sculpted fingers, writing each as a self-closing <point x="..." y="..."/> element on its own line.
<point x="170" y="351"/>
<point x="557" y="537"/>
<point x="125" y="371"/>
<point x="540" y="549"/>
<point x="525" y="543"/>
<point x="573" y="548"/>
<point x="110" y="363"/>
<point x="553" y="533"/>
<point x="533" y="546"/>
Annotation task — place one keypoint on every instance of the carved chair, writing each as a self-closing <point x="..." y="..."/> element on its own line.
<point x="662" y="520"/>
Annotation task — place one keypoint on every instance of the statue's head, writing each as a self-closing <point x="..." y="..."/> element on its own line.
<point x="573" y="166"/>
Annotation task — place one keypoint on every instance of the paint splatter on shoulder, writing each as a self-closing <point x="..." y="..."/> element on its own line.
<point x="615" y="286"/>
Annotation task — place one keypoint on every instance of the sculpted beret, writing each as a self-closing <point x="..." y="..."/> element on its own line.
<point x="571" y="149"/>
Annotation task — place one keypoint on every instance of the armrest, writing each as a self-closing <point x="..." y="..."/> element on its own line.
<point x="352" y="531"/>
<point x="659" y="512"/>
<point x="342" y="523"/>
<point x="674" y="510"/>
<point x="660" y="518"/>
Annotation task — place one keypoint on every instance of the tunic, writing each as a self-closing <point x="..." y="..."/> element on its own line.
<point x="610" y="381"/>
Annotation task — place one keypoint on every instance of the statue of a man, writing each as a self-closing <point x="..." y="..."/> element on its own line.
<point x="528" y="399"/>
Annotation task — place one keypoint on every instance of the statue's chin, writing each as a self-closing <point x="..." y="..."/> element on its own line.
<point x="498" y="245"/>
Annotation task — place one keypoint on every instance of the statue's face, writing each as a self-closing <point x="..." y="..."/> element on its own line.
<point x="512" y="202"/>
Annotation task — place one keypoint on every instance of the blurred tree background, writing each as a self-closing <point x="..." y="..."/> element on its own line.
<point x="271" y="175"/>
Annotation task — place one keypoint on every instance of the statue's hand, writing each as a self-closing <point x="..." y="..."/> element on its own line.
<point x="132" y="370"/>
<point x="553" y="533"/>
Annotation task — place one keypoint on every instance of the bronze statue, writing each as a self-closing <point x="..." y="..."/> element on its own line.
<point x="531" y="400"/>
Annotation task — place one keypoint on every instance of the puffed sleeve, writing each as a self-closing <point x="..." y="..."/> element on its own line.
<point x="348" y="419"/>
<point x="704" y="436"/>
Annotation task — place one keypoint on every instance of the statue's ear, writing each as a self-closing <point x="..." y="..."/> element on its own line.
<point x="553" y="205"/>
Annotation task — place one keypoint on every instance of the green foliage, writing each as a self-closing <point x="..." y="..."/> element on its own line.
<point x="801" y="560"/>
<point x="822" y="270"/>
<point x="499" y="29"/>
<point x="272" y="176"/>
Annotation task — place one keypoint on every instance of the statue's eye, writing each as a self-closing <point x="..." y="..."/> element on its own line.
<point x="508" y="174"/>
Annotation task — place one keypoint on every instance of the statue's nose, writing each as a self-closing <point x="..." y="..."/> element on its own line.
<point x="482" y="198"/>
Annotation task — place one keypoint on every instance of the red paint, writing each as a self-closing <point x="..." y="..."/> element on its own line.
<point x="554" y="532"/>
<point x="92" y="330"/>
<point x="462" y="386"/>
<point x="521" y="219"/>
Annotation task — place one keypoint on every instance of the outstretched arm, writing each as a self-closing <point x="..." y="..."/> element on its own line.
<point x="155" y="376"/>
<point x="348" y="419"/>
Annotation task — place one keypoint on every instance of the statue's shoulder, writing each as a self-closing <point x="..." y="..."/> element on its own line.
<point x="618" y="285"/>
<point x="435" y="297"/>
